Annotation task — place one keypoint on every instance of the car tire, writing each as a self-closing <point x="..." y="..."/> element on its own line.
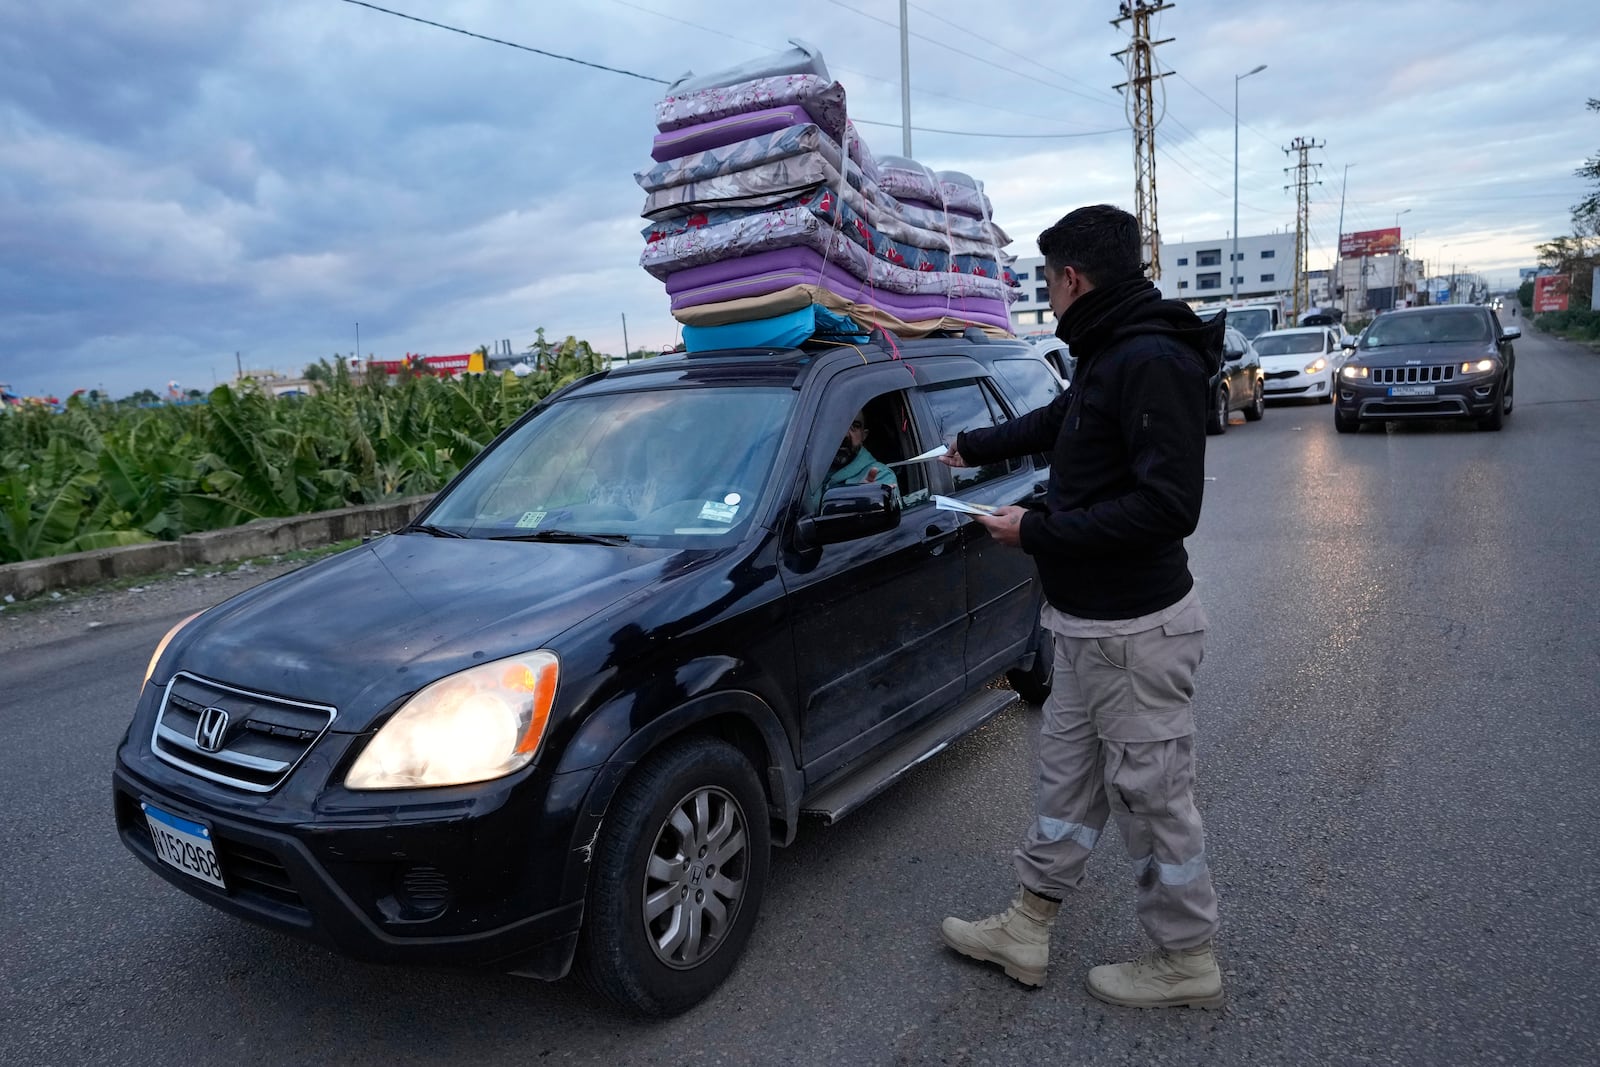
<point x="1032" y="684"/>
<point x="1511" y="388"/>
<point x="1346" y="423"/>
<point x="1257" y="406"/>
<point x="1496" y="418"/>
<point x="695" y="799"/>
<point x="1217" y="420"/>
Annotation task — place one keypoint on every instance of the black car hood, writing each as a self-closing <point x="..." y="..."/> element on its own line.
<point x="368" y="626"/>
<point x="1424" y="355"/>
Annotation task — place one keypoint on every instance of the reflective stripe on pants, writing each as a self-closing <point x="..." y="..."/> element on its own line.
<point x="1117" y="738"/>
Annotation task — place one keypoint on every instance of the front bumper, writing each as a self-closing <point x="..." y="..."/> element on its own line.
<point x="1462" y="398"/>
<point x="1299" y="384"/>
<point x="492" y="875"/>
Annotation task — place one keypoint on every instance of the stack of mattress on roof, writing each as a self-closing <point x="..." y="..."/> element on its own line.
<point x="764" y="201"/>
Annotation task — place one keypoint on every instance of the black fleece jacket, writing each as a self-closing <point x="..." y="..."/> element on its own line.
<point x="1127" y="453"/>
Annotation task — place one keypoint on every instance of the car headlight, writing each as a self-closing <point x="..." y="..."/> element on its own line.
<point x="1352" y="371"/>
<point x="162" y="647"/>
<point x="1477" y="367"/>
<point x="476" y="725"/>
<point x="1316" y="366"/>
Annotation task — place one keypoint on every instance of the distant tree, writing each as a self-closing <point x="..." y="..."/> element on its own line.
<point x="1589" y="206"/>
<point x="316" y="372"/>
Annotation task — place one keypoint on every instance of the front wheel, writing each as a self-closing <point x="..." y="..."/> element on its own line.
<point x="1257" y="407"/>
<point x="1345" y="423"/>
<point x="1217" y="421"/>
<point x="677" y="878"/>
<point x="1033" y="684"/>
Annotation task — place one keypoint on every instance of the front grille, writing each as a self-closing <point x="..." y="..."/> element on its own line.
<point x="1407" y="375"/>
<point x="1273" y="376"/>
<point x="264" y="737"/>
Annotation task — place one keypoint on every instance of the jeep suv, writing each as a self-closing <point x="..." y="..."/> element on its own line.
<point x="1453" y="361"/>
<point x="562" y="716"/>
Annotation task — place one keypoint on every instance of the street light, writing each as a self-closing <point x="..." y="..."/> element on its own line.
<point x="1233" y="257"/>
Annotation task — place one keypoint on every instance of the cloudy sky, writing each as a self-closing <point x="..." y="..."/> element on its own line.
<point x="183" y="180"/>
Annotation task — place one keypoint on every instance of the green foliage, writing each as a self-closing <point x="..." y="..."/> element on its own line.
<point x="1577" y="324"/>
<point x="100" y="474"/>
<point x="1525" y="294"/>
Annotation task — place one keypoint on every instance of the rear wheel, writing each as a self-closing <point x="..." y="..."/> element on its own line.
<point x="678" y="874"/>
<point x="1033" y="683"/>
<point x="1217" y="421"/>
<point x="1257" y="406"/>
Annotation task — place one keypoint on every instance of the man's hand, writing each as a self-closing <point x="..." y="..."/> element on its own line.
<point x="952" y="458"/>
<point x="872" y="474"/>
<point x="1005" y="525"/>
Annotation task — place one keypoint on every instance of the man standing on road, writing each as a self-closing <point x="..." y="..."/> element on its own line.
<point x="1127" y="469"/>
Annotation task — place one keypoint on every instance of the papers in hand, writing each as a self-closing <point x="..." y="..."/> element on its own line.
<point x="932" y="453"/>
<point x="950" y="503"/>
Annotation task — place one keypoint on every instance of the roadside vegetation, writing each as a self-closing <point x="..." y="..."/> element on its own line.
<point x="1576" y="255"/>
<point x="97" y="476"/>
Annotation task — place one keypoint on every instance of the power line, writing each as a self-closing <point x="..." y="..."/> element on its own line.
<point x="1100" y="95"/>
<point x="846" y="70"/>
<point x="1223" y="109"/>
<point x="509" y="44"/>
<point x="987" y="63"/>
<point x="968" y="133"/>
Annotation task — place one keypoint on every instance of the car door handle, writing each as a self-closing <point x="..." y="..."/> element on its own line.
<point x="937" y="537"/>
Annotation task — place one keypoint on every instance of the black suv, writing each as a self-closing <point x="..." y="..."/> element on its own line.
<point x="1452" y="361"/>
<point x="566" y="712"/>
<point x="1238" y="385"/>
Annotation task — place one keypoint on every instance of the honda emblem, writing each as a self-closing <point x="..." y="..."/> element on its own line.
<point x="211" y="729"/>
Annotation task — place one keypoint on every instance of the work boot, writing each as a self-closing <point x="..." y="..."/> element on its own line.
<point x="1018" y="939"/>
<point x="1161" y="978"/>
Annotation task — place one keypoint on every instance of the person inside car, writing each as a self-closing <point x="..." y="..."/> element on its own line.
<point x="853" y="464"/>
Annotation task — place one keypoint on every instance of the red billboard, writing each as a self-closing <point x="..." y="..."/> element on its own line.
<point x="1369" y="243"/>
<point x="1550" y="292"/>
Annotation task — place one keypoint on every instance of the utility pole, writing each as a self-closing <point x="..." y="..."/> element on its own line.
<point x="625" y="349"/>
<point x="1139" y="103"/>
<point x="1338" y="239"/>
<point x="905" y="82"/>
<point x="238" y="366"/>
<point x="1302" y="184"/>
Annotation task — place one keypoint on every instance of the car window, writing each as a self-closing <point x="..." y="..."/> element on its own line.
<point x="881" y="432"/>
<point x="1289" y="344"/>
<point x="967" y="405"/>
<point x="1030" y="380"/>
<point x="658" y="465"/>
<point x="1444" y="326"/>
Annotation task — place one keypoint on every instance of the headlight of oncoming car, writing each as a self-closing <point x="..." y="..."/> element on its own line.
<point x="1353" y="371"/>
<point x="162" y="647"/>
<point x="479" y="724"/>
<point x="1316" y="366"/>
<point x="1477" y="366"/>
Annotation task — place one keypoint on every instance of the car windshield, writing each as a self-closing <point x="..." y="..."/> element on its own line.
<point x="1289" y="344"/>
<point x="1427" y="328"/>
<point x="646" y="467"/>
<point x="1250" y="321"/>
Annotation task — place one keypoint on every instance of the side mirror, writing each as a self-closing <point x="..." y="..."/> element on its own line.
<point x="852" y="511"/>
<point x="1349" y="346"/>
<point x="1510" y="333"/>
<point x="1231" y="354"/>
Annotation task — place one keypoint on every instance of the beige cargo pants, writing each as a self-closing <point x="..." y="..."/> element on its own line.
<point x="1118" y="738"/>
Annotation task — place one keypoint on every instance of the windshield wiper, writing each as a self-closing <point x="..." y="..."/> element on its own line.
<point x="566" y="537"/>
<point x="429" y="528"/>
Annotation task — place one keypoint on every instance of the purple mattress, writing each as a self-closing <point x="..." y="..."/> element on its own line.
<point x="720" y="132"/>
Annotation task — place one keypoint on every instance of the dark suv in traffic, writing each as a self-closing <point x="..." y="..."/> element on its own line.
<point x="1451" y="361"/>
<point x="563" y="715"/>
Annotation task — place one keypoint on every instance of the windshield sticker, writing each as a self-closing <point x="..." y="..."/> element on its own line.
<point x="716" y="512"/>
<point x="732" y="499"/>
<point x="530" y="519"/>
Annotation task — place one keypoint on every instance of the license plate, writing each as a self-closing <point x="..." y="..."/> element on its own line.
<point x="183" y="844"/>
<point x="1411" y="390"/>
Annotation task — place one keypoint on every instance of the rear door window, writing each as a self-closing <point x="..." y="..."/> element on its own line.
<point x="968" y="405"/>
<point x="1030" y="381"/>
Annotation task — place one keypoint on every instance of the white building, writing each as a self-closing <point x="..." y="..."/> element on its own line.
<point x="1031" y="314"/>
<point x="1190" y="270"/>
<point x="1198" y="270"/>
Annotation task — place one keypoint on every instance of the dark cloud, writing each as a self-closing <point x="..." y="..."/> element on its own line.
<point x="182" y="179"/>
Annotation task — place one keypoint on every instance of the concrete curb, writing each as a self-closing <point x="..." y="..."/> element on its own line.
<point x="263" y="537"/>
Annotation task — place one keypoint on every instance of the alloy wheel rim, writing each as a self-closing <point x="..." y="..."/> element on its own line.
<point x="695" y="878"/>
